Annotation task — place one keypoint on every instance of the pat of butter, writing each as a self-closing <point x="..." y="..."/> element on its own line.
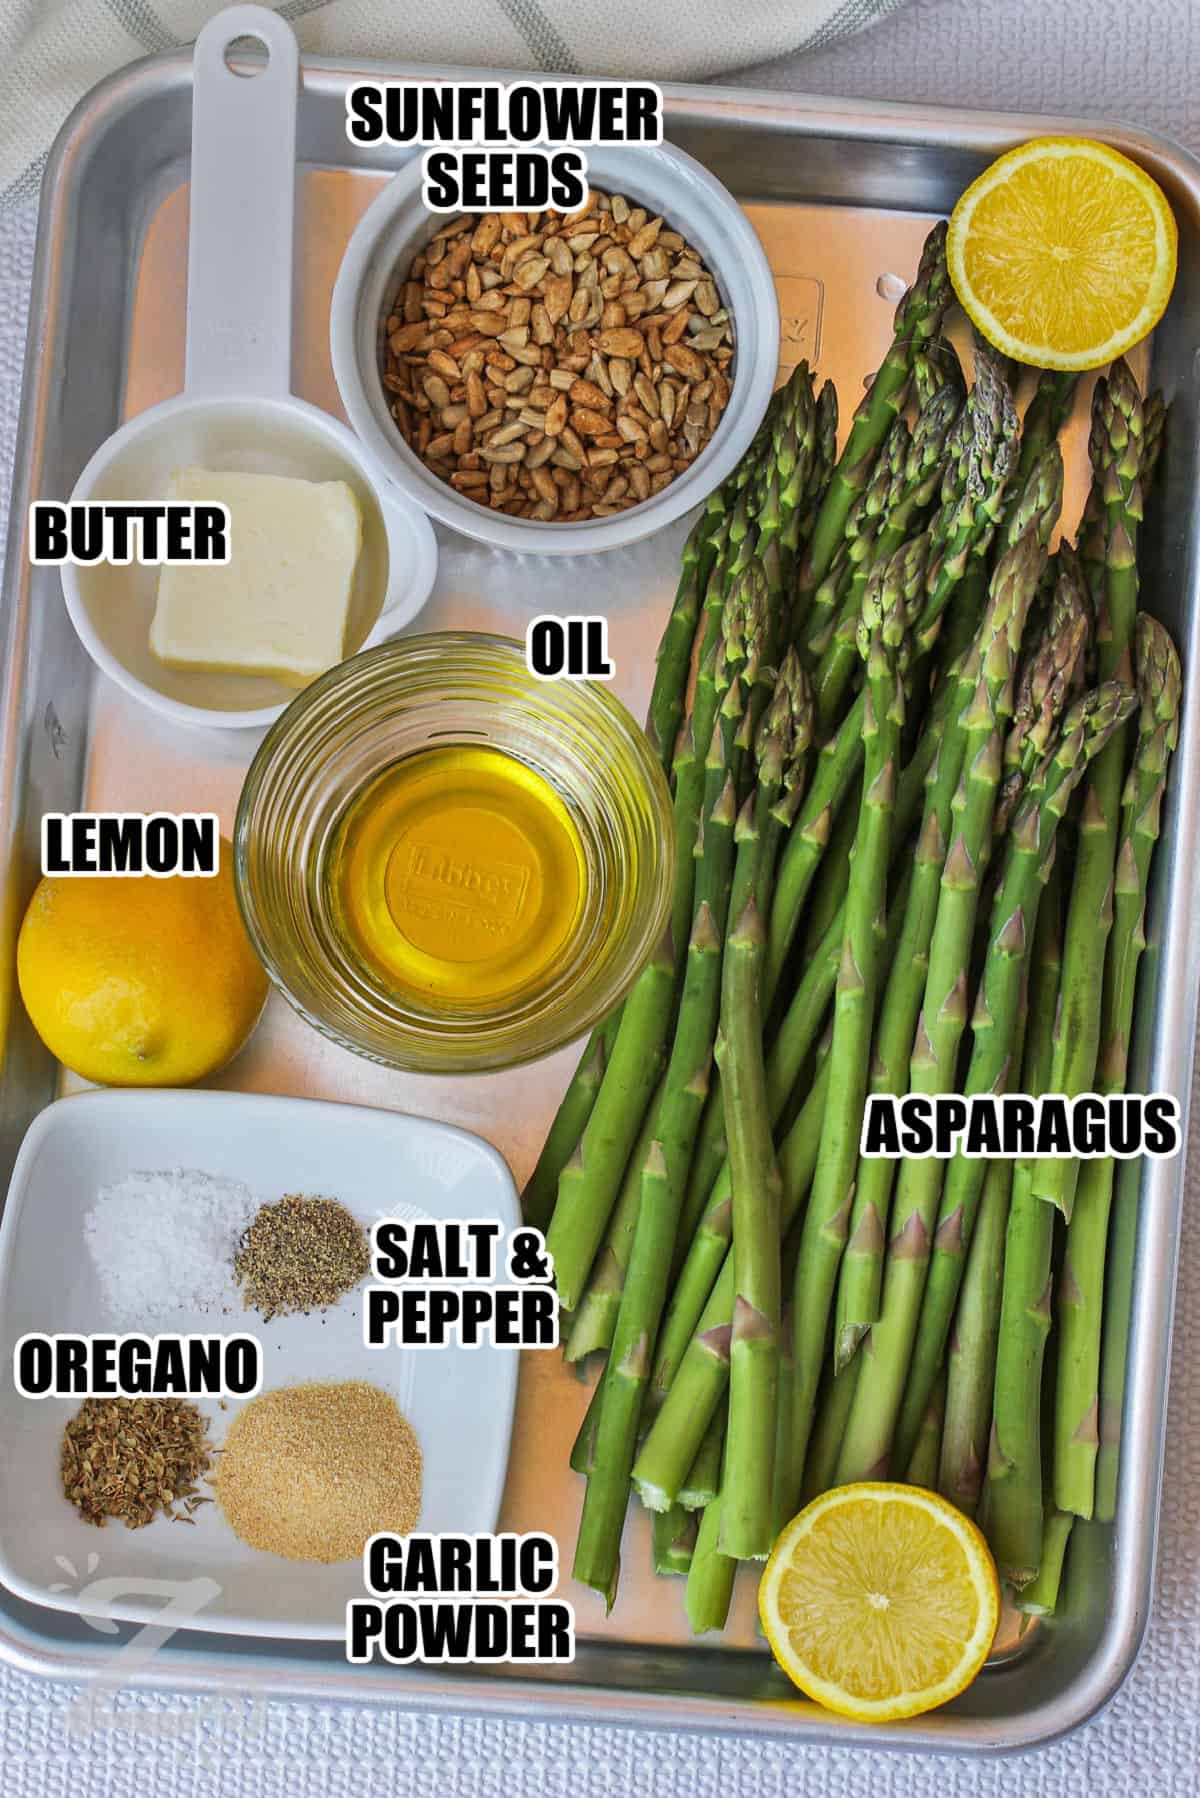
<point x="280" y="605"/>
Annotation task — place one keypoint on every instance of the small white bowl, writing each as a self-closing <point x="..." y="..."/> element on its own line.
<point x="111" y="606"/>
<point x="660" y="177"/>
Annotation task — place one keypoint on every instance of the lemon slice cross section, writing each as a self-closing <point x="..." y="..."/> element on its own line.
<point x="1063" y="253"/>
<point x="880" y="1601"/>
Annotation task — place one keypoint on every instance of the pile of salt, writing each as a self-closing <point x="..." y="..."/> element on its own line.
<point x="165" y="1242"/>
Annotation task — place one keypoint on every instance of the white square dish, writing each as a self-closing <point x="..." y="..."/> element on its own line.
<point x="459" y="1401"/>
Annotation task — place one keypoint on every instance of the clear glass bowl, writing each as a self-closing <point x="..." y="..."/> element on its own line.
<point x="439" y="691"/>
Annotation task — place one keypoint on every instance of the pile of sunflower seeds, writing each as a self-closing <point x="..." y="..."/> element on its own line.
<point x="558" y="368"/>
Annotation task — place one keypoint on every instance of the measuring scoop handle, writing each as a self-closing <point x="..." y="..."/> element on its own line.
<point x="243" y="194"/>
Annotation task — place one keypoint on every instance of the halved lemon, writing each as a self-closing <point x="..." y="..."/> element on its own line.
<point x="880" y="1601"/>
<point x="1063" y="253"/>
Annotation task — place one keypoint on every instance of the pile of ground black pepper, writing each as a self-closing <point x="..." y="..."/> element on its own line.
<point x="300" y="1254"/>
<point x="131" y="1458"/>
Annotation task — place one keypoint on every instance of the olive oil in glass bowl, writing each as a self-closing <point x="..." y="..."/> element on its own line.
<point x="448" y="865"/>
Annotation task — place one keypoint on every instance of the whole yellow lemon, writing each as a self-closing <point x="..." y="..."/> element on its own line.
<point x="143" y="981"/>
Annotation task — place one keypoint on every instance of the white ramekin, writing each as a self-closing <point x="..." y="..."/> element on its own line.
<point x="660" y="177"/>
<point x="112" y="604"/>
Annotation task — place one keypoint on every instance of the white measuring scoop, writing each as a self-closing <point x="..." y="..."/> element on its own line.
<point x="237" y="410"/>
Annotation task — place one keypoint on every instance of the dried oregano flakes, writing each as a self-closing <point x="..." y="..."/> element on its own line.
<point x="134" y="1458"/>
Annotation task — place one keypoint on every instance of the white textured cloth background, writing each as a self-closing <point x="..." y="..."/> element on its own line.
<point x="53" y="51"/>
<point x="1134" y="59"/>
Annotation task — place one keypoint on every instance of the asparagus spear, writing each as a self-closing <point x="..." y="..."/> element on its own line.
<point x="1032" y="500"/>
<point x="935" y="365"/>
<point x="1090" y="536"/>
<point x="862" y="1264"/>
<point x="1035" y="500"/>
<point x="1079" y="1317"/>
<point x="971" y="1364"/>
<point x="858" y="542"/>
<point x="927" y="1455"/>
<point x="826" y="450"/>
<point x="693" y="1356"/>
<point x="1089" y="915"/>
<point x="973" y="486"/>
<point x="1118" y="1310"/>
<point x="883" y="642"/>
<point x="782" y="749"/>
<point x="747" y="470"/>
<point x="913" y="484"/>
<point x="754" y="1173"/>
<point x="691" y="1378"/>
<point x="740" y="539"/>
<point x="965" y="741"/>
<point x="590" y="1180"/>
<point x="1012" y="1501"/>
<point x="901" y="583"/>
<point x="1049" y="674"/>
<point x="775" y="501"/>
<point x="1118" y="1291"/>
<point x="800" y="476"/>
<point x="685" y="1083"/>
<point x="710" y="1576"/>
<point x="598" y="1547"/>
<point x="667" y="700"/>
<point x="873" y="1437"/>
<point x="1002" y="500"/>
<point x="916" y="482"/>
<point x="797" y="527"/>
<point x="985" y="687"/>
<point x="1045" y="415"/>
<point x="918" y="318"/>
<point x="756" y="1198"/>
<point x="706" y="1257"/>
<point x="674" y="1537"/>
<point x="570" y="1121"/>
<point x="595" y="1316"/>
<point x="721" y="543"/>
<point x="704" y="1477"/>
<point x="825" y="1444"/>
<point x="755" y="1180"/>
<point x="1081" y="1293"/>
<point x="801" y="1023"/>
<point x="1040" y="1597"/>
<point x="781" y="752"/>
<point x="985" y="445"/>
<point x="996" y="1018"/>
<point x="583" y="1449"/>
<point x="780" y="484"/>
<point x="1007" y="366"/>
<point x="785" y="1483"/>
<point x="675" y="648"/>
<point x="861" y="1271"/>
<point x="1154" y="424"/>
<point x="825" y="900"/>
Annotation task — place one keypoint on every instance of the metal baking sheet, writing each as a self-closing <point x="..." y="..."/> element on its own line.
<point x="842" y="194"/>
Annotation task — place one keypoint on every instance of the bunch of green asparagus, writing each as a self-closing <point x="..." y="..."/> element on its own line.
<point x="893" y="717"/>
